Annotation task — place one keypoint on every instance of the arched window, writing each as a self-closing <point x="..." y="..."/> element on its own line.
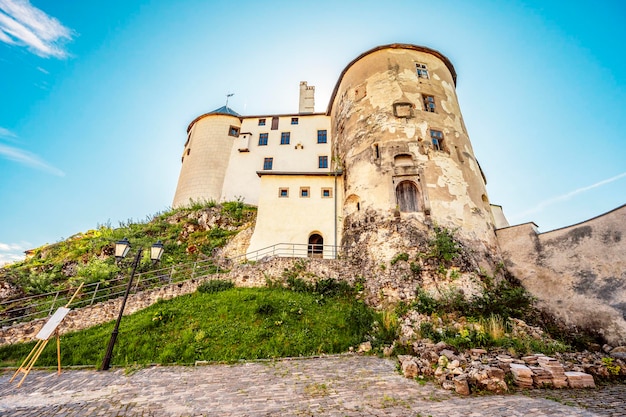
<point x="406" y="197"/>
<point x="316" y="246"/>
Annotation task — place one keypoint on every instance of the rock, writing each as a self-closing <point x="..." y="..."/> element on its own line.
<point x="453" y="365"/>
<point x="460" y="385"/>
<point x="448" y="385"/>
<point x="443" y="361"/>
<point x="409" y="368"/>
<point x="522" y="376"/>
<point x="579" y="380"/>
<point x="618" y="349"/>
<point x="388" y="350"/>
<point x="448" y="354"/>
<point x="607" y="348"/>
<point x="365" y="347"/>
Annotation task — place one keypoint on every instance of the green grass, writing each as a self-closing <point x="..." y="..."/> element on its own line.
<point x="230" y="325"/>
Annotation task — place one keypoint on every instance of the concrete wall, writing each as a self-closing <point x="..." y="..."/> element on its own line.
<point x="577" y="272"/>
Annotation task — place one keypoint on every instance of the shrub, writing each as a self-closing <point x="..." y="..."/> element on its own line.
<point x="444" y="246"/>
<point x="399" y="257"/>
<point x="214" y="286"/>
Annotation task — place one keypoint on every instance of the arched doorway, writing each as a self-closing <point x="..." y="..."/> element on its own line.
<point x="316" y="246"/>
<point x="406" y="196"/>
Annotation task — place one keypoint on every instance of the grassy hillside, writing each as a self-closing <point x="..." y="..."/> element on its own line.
<point x="187" y="234"/>
<point x="220" y="323"/>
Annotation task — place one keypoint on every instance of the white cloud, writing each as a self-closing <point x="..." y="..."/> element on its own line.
<point x="28" y="159"/>
<point x="6" y="133"/>
<point x="23" y="24"/>
<point x="542" y="205"/>
<point x="12" y="252"/>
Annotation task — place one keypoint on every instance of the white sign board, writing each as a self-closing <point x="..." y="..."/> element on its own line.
<point x="52" y="324"/>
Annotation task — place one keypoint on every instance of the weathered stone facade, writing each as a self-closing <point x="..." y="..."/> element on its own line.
<point x="578" y="272"/>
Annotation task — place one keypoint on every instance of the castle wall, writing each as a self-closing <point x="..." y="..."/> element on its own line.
<point x="577" y="272"/>
<point x="205" y="159"/>
<point x="286" y="216"/>
<point x="247" y="155"/>
<point x="383" y="133"/>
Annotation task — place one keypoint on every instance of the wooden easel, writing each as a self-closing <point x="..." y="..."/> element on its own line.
<point x="51" y="327"/>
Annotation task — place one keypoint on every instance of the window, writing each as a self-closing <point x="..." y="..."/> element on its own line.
<point x="267" y="164"/>
<point x="321" y="136"/>
<point x="275" y="123"/>
<point x="406" y="196"/>
<point x="422" y="71"/>
<point x="283" y="192"/>
<point x="261" y="122"/>
<point x="327" y="192"/>
<point x="284" y="138"/>
<point x="263" y="139"/>
<point x="294" y="120"/>
<point x="305" y="192"/>
<point x="429" y="103"/>
<point x="322" y="161"/>
<point x="437" y="138"/>
<point x="233" y="131"/>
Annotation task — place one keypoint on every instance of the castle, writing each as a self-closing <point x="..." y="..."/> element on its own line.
<point x="387" y="162"/>
<point x="392" y="140"/>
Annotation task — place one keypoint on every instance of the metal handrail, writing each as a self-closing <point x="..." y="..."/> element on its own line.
<point x="17" y="310"/>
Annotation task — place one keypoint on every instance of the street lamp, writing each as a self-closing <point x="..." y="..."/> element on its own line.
<point x="122" y="248"/>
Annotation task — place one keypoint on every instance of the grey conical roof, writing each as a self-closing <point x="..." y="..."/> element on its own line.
<point x="225" y="110"/>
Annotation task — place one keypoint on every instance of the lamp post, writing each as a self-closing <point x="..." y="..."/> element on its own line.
<point x="122" y="248"/>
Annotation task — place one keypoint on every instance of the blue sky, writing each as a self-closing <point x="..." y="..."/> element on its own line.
<point x="96" y="96"/>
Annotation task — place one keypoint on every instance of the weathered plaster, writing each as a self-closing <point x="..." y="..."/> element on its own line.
<point x="578" y="272"/>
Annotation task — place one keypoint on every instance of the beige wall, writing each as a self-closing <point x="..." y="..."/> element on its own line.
<point x="370" y="136"/>
<point x="294" y="218"/>
<point x="578" y="272"/>
<point x="205" y="158"/>
<point x="301" y="155"/>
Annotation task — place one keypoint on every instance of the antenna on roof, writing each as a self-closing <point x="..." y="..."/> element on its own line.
<point x="227" y="96"/>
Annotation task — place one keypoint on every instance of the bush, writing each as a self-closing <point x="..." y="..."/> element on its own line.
<point x="443" y="246"/>
<point x="215" y="286"/>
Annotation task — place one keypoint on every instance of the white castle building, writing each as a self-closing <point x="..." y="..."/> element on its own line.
<point x="392" y="142"/>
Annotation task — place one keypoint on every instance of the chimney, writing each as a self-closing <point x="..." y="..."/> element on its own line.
<point x="307" y="98"/>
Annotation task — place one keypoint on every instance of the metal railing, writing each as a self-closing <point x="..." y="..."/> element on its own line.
<point x="294" y="250"/>
<point x="17" y="310"/>
<point x="33" y="307"/>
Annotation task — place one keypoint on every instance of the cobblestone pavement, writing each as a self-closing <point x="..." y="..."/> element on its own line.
<point x="345" y="385"/>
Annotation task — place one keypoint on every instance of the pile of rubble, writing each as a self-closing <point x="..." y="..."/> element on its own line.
<point x="479" y="370"/>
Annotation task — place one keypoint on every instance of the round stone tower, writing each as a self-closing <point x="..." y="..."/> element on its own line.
<point x="401" y="142"/>
<point x="205" y="157"/>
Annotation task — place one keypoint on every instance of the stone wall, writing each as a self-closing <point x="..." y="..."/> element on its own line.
<point x="578" y="273"/>
<point x="382" y="285"/>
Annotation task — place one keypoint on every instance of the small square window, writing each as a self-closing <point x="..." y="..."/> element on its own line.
<point x="284" y="138"/>
<point x="294" y="120"/>
<point x="422" y="71"/>
<point x="233" y="131"/>
<point x="322" y="161"/>
<point x="403" y="110"/>
<point x="436" y="137"/>
<point x="263" y="139"/>
<point x="321" y="136"/>
<point x="305" y="192"/>
<point x="327" y="192"/>
<point x="261" y="122"/>
<point x="283" y="192"/>
<point x="429" y="103"/>
<point x="267" y="164"/>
